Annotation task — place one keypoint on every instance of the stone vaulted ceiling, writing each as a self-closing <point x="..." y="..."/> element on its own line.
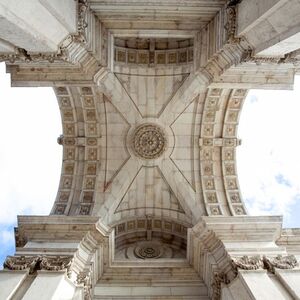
<point x="150" y="94"/>
<point x="147" y="138"/>
<point x="149" y="123"/>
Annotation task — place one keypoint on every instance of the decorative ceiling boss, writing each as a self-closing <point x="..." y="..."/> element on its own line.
<point x="149" y="141"/>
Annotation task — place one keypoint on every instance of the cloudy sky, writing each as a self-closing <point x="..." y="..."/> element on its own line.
<point x="30" y="158"/>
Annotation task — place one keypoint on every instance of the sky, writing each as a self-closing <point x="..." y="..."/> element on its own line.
<point x="30" y="158"/>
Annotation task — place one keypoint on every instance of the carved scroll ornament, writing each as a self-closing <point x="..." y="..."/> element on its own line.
<point x="280" y="262"/>
<point x="18" y="263"/>
<point x="34" y="263"/>
<point x="55" y="263"/>
<point x="248" y="263"/>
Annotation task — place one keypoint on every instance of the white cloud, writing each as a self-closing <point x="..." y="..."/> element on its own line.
<point x="268" y="160"/>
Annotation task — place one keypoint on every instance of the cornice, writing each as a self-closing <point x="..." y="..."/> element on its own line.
<point x="22" y="55"/>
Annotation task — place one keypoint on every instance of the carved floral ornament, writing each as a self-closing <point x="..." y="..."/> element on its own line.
<point x="84" y="279"/>
<point x="149" y="141"/>
<point x="34" y="263"/>
<point x="50" y="263"/>
<point x="251" y="263"/>
<point x="264" y="262"/>
<point x="218" y="279"/>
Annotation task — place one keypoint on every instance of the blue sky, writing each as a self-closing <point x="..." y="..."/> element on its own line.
<point x="30" y="158"/>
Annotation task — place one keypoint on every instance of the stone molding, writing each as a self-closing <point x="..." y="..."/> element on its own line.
<point x="75" y="146"/>
<point x="231" y="25"/>
<point x="154" y="58"/>
<point x="229" y="50"/>
<point x="21" y="55"/>
<point x="289" y="58"/>
<point x="218" y="146"/>
<point x="248" y="55"/>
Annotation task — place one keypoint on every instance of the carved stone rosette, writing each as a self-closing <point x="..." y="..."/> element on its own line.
<point x="149" y="141"/>
<point x="148" y="250"/>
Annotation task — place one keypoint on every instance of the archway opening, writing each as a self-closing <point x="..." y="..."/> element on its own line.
<point x="30" y="157"/>
<point x="268" y="159"/>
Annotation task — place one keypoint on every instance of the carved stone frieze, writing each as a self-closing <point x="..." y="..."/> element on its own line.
<point x="251" y="263"/>
<point x="248" y="263"/>
<point x="18" y="263"/>
<point x="289" y="58"/>
<point x="280" y="262"/>
<point x="268" y="263"/>
<point x="34" y="263"/>
<point x="55" y="263"/>
<point x="21" y="55"/>
<point x="219" y="142"/>
<point x="231" y="24"/>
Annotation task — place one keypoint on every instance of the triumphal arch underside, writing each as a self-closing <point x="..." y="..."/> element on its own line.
<point x="150" y="94"/>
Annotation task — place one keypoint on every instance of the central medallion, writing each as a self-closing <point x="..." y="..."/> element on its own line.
<point x="149" y="141"/>
<point x="148" y="250"/>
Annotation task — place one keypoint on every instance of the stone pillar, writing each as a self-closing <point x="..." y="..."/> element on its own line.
<point x="57" y="257"/>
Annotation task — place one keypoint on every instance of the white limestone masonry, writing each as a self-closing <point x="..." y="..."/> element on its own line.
<point x="150" y="94"/>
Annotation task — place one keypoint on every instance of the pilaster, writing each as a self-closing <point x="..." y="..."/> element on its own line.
<point x="238" y="258"/>
<point x="56" y="257"/>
